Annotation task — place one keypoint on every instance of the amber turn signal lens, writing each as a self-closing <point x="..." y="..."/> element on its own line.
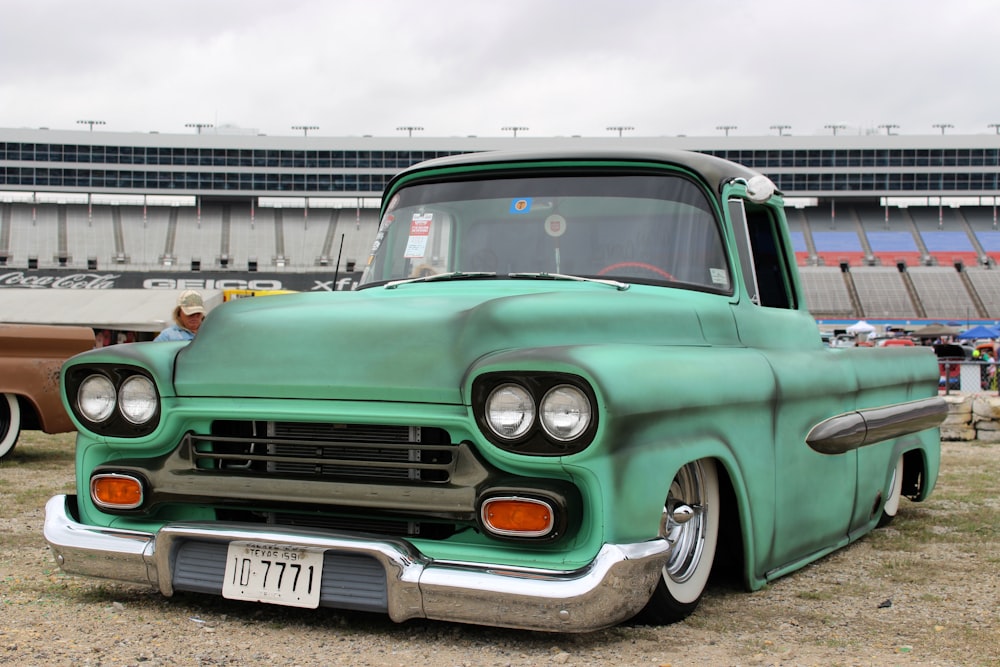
<point x="518" y="517"/>
<point x="116" y="491"/>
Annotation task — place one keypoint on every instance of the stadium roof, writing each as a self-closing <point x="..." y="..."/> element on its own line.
<point x="861" y="139"/>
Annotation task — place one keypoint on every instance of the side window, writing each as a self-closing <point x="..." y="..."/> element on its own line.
<point x="762" y="258"/>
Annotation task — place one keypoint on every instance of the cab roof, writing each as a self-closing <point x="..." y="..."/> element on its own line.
<point x="715" y="171"/>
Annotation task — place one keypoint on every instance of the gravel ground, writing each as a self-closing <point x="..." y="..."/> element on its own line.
<point x="923" y="591"/>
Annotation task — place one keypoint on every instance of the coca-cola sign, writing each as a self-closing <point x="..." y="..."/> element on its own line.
<point x="177" y="280"/>
<point x="33" y="280"/>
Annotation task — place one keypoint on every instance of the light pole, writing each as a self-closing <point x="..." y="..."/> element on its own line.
<point x="996" y="126"/>
<point x="725" y="128"/>
<point x="781" y="129"/>
<point x="942" y="126"/>
<point x="835" y="128"/>
<point x="305" y="129"/>
<point x="198" y="126"/>
<point x="91" y="123"/>
<point x="620" y="128"/>
<point x="410" y="129"/>
<point x="513" y="128"/>
<point x="889" y="127"/>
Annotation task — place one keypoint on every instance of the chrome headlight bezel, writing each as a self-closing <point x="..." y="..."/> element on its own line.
<point x="535" y="438"/>
<point x="133" y="413"/>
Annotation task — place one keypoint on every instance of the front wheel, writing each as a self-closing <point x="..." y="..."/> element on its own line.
<point x="690" y="523"/>
<point x="10" y="423"/>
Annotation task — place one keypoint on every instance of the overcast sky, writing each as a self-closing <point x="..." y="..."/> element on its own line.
<point x="472" y="67"/>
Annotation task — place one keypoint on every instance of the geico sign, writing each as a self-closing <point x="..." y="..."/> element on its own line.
<point x="200" y="283"/>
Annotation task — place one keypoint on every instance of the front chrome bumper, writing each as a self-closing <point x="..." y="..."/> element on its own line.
<point x="610" y="589"/>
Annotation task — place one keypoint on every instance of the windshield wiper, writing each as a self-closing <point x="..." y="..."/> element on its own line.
<point x="449" y="275"/>
<point x="620" y="286"/>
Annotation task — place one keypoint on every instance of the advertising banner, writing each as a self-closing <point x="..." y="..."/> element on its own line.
<point x="325" y="281"/>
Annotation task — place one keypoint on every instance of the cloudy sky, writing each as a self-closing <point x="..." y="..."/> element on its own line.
<point x="472" y="67"/>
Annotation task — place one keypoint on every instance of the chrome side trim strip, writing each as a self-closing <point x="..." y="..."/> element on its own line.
<point x="852" y="430"/>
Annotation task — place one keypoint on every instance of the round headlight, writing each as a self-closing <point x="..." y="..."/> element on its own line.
<point x="565" y="412"/>
<point x="96" y="398"/>
<point x="510" y="411"/>
<point x="137" y="399"/>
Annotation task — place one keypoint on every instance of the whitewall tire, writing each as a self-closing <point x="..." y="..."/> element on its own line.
<point x="895" y="493"/>
<point x="10" y="423"/>
<point x="691" y="517"/>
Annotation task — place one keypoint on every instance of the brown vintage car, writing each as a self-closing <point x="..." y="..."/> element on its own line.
<point x="30" y="359"/>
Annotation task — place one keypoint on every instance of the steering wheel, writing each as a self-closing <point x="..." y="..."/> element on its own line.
<point x="635" y="265"/>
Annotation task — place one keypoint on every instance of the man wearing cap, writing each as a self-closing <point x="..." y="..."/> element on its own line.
<point x="188" y="316"/>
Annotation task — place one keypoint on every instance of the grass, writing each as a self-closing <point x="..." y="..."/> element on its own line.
<point x="925" y="562"/>
<point x="965" y="494"/>
<point x="41" y="451"/>
<point x="40" y="466"/>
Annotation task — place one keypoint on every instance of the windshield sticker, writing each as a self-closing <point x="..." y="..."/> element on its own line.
<point x="386" y="221"/>
<point x="420" y="231"/>
<point x="555" y="225"/>
<point x="520" y="206"/>
<point x="719" y="276"/>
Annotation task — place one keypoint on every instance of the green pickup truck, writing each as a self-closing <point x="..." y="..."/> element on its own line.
<point x="568" y="384"/>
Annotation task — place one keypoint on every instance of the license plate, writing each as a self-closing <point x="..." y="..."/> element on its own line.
<point x="273" y="573"/>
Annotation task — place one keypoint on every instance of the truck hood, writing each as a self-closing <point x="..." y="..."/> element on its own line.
<point x="417" y="342"/>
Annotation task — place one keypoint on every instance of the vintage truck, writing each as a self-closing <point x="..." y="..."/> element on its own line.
<point x="31" y="356"/>
<point x="567" y="385"/>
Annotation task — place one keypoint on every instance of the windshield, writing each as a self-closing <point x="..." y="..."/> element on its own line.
<point x="645" y="228"/>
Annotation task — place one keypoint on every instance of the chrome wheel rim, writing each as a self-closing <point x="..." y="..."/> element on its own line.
<point x="685" y="501"/>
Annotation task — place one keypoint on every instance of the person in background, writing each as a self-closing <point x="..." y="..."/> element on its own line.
<point x="988" y="368"/>
<point x="188" y="316"/>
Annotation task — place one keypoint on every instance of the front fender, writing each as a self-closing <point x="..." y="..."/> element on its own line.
<point x="156" y="358"/>
<point x="660" y="408"/>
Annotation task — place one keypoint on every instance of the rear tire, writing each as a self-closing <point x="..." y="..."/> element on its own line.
<point x="891" y="506"/>
<point x="695" y="492"/>
<point x="10" y="423"/>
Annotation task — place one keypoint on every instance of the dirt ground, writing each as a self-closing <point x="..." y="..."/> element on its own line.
<point x="923" y="591"/>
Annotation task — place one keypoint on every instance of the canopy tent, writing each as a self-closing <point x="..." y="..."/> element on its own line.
<point x="980" y="331"/>
<point x="860" y="327"/>
<point x="935" y="330"/>
<point x="117" y="309"/>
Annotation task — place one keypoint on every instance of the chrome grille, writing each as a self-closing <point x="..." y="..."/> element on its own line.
<point x="356" y="452"/>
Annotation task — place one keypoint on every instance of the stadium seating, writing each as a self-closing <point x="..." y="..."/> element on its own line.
<point x="990" y="240"/>
<point x="986" y="283"/>
<point x="216" y="236"/>
<point x="882" y="293"/>
<point x="836" y="248"/>
<point x="851" y="266"/>
<point x="826" y="292"/>
<point x="942" y="292"/>
<point x="891" y="248"/>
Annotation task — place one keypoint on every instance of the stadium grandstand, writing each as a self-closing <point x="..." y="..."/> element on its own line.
<point x="884" y="227"/>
